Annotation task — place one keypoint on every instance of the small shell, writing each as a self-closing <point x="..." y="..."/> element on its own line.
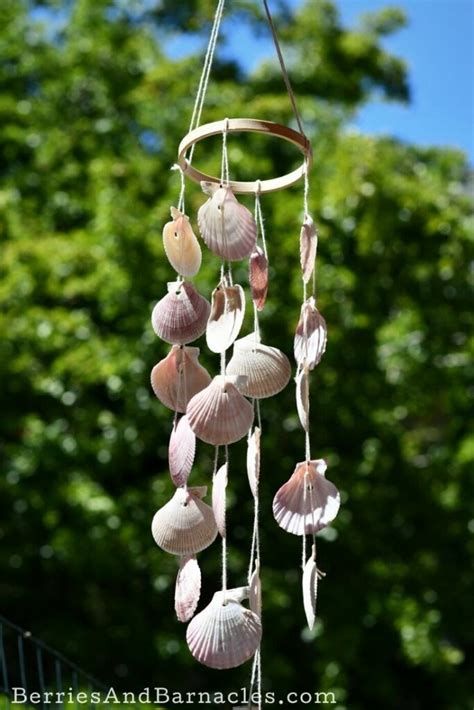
<point x="253" y="460"/>
<point x="220" y="414"/>
<point x="219" y="486"/>
<point x="185" y="525"/>
<point x="226" y="318"/>
<point x="225" y="634"/>
<point x="310" y="590"/>
<point x="181" y="452"/>
<point x="227" y="227"/>
<point x="258" y="277"/>
<point x="181" y="246"/>
<point x="310" y="336"/>
<point x="181" y="316"/>
<point x="177" y="378"/>
<point x="255" y="591"/>
<point x="267" y="369"/>
<point x="188" y="588"/>
<point x="308" y="247"/>
<point x="300" y="511"/>
<point x="302" y="397"/>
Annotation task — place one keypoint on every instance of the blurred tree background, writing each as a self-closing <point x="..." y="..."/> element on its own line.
<point x="92" y="110"/>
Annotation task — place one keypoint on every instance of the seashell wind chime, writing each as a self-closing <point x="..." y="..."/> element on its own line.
<point x="226" y="408"/>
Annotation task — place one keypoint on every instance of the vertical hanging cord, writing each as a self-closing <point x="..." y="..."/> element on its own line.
<point x="224" y="539"/>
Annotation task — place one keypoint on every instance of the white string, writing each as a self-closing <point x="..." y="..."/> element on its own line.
<point x="225" y="156"/>
<point x="306" y="188"/>
<point x="183" y="187"/>
<point x="224" y="539"/>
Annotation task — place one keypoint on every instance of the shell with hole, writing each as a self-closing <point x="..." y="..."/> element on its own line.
<point x="185" y="525"/>
<point x="187" y="589"/>
<point x="181" y="316"/>
<point x="267" y="369"/>
<point x="220" y="414"/>
<point x="178" y="377"/>
<point x="226" y="317"/>
<point x="227" y="227"/>
<point x="181" y="245"/>
<point x="308" y="501"/>
<point x="181" y="451"/>
<point x="311" y="335"/>
<point x="225" y="634"/>
<point x="258" y="277"/>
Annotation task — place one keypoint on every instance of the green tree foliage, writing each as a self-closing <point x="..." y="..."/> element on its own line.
<point x="92" y="111"/>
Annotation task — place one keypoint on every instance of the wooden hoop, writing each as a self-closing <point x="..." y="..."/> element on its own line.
<point x="249" y="125"/>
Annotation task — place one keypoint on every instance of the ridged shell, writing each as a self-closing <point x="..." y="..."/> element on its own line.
<point x="187" y="589"/>
<point x="302" y="397"/>
<point x="181" y="452"/>
<point x="258" y="277"/>
<point x="226" y="317"/>
<point x="219" y="485"/>
<point x="299" y="512"/>
<point x="253" y="460"/>
<point x="267" y="369"/>
<point x="308" y="247"/>
<point x="311" y="576"/>
<point x="220" y="414"/>
<point x="181" y="246"/>
<point x="311" y="335"/>
<point x="178" y="377"/>
<point x="185" y="525"/>
<point x="181" y="316"/>
<point x="224" y="635"/>
<point x="227" y="227"/>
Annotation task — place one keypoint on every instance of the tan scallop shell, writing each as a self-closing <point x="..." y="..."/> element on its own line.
<point x="220" y="414"/>
<point x="258" y="277"/>
<point x="187" y="589"/>
<point x="308" y="247"/>
<point x="181" y="451"/>
<point x="227" y="227"/>
<point x="226" y="317"/>
<point x="225" y="634"/>
<point x="298" y="511"/>
<point x="185" y="525"/>
<point x="178" y="377"/>
<point x="311" y="335"/>
<point x="267" y="369"/>
<point x="181" y="316"/>
<point x="181" y="246"/>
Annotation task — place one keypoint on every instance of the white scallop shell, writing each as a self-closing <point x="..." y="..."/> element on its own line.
<point x="311" y="335"/>
<point x="225" y="634"/>
<point x="308" y="247"/>
<point x="302" y="397"/>
<point x="220" y="414"/>
<point x="178" y="377"/>
<point x="267" y="369"/>
<point x="187" y="589"/>
<point x="181" y="246"/>
<point x="226" y="317"/>
<point x="310" y="590"/>
<point x="219" y="485"/>
<point x="185" y="525"/>
<point x="227" y="227"/>
<point x="253" y="460"/>
<point x="300" y="511"/>
<point x="181" y="316"/>
<point x="181" y="452"/>
<point x="258" y="277"/>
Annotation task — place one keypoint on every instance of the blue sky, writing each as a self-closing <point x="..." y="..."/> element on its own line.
<point x="438" y="45"/>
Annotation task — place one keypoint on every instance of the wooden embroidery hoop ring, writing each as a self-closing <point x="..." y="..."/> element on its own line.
<point x="249" y="125"/>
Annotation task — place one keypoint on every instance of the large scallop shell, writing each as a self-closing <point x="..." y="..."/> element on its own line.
<point x="181" y="316"/>
<point x="310" y="336"/>
<point x="226" y="317"/>
<point x="220" y="414"/>
<point x="178" y="377"/>
<point x="267" y="369"/>
<point x="227" y="227"/>
<point x="181" y="452"/>
<point x="225" y="634"/>
<point x="181" y="246"/>
<point x="308" y="247"/>
<point x="187" y="589"/>
<point x="298" y="511"/>
<point x="258" y="277"/>
<point x="185" y="525"/>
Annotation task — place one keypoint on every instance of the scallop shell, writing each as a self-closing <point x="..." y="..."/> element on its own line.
<point x="188" y="588"/>
<point x="267" y="369"/>
<point x="258" y="277"/>
<point x="227" y="227"/>
<point x="177" y="378"/>
<point x="220" y="414"/>
<point x="311" y="335"/>
<point x="226" y="318"/>
<point x="181" y="452"/>
<point x="308" y="247"/>
<point x="255" y="591"/>
<point x="185" y="525"/>
<point x="302" y="397"/>
<point x="181" y="246"/>
<point x="219" y="486"/>
<point x="253" y="460"/>
<point x="225" y="634"/>
<point x="298" y="511"/>
<point x="181" y="316"/>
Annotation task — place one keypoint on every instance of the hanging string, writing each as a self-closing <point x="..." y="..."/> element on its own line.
<point x="225" y="156"/>
<point x="181" y="204"/>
